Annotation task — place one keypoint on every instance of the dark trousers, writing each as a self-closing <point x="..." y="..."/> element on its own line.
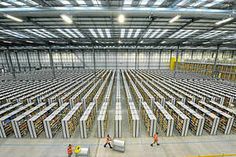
<point x="108" y="144"/>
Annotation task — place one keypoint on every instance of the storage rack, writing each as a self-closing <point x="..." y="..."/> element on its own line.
<point x="35" y="124"/>
<point x="88" y="97"/>
<point x="78" y="96"/>
<point x="52" y="124"/>
<point x="211" y="120"/>
<point x="20" y="123"/>
<point x="149" y="118"/>
<point x="118" y="120"/>
<point x="134" y="119"/>
<point x="126" y="87"/>
<point x="87" y="120"/>
<point x="181" y="120"/>
<point x="227" y="110"/>
<point x="226" y="121"/>
<point x="109" y="89"/>
<point x="164" y="119"/>
<point x="98" y="98"/>
<point x="71" y="120"/>
<point x="196" y="120"/>
<point x="5" y="122"/>
<point x="102" y="120"/>
<point x="6" y="105"/>
<point x="118" y="97"/>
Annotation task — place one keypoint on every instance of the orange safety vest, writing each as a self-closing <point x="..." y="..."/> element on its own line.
<point x="69" y="150"/>
<point x="155" y="137"/>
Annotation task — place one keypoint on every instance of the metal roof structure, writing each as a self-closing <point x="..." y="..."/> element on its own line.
<point x="95" y="23"/>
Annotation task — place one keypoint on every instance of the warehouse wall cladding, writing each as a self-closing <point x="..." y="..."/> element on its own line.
<point x="144" y="77"/>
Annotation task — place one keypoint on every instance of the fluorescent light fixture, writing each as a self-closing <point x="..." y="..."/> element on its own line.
<point x="64" y="33"/>
<point x="93" y="33"/>
<point x="78" y="33"/>
<point x="155" y="33"/>
<point x="65" y="2"/>
<point x="206" y="42"/>
<point x="32" y="32"/>
<point x="159" y="2"/>
<point x="193" y="31"/>
<point x="96" y="41"/>
<point x="13" y="18"/>
<point x="81" y="2"/>
<point x="5" y="4"/>
<point x="96" y="2"/>
<point x="121" y="18"/>
<point x="130" y="33"/>
<point x="224" y="21"/>
<point x="183" y="33"/>
<point x="100" y="33"/>
<point x="122" y="33"/>
<point x="198" y="3"/>
<point x="8" y="42"/>
<point x="128" y="2"/>
<point x="228" y="42"/>
<point x="144" y="2"/>
<point x="141" y="41"/>
<point x="176" y="33"/>
<point x="147" y="33"/>
<point x="40" y="32"/>
<point x="28" y="41"/>
<point x="49" y="33"/>
<point x="12" y="33"/>
<point x="163" y="42"/>
<point x="108" y="33"/>
<point x="137" y="33"/>
<point x="182" y="3"/>
<point x="174" y="18"/>
<point x="119" y="41"/>
<point x="19" y="3"/>
<point x="162" y="33"/>
<point x="66" y="18"/>
<point x="32" y="2"/>
<point x="213" y="3"/>
<point x="71" y="33"/>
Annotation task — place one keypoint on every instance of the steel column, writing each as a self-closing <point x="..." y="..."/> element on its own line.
<point x="51" y="62"/>
<point x="83" y="59"/>
<point x="11" y="65"/>
<point x="214" y="71"/>
<point x="159" y="64"/>
<point x="40" y="64"/>
<point x="72" y="59"/>
<point x="106" y="58"/>
<point x="8" y="66"/>
<point x="192" y="55"/>
<point x="62" y="65"/>
<point x="17" y="60"/>
<point x="149" y="60"/>
<point x="94" y="63"/>
<point x="176" y="63"/>
<point x="27" y="55"/>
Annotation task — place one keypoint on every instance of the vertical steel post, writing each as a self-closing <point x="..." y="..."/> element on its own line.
<point x="11" y="65"/>
<point x="214" y="71"/>
<point x="17" y="60"/>
<point x="176" y="63"/>
<point x="27" y="55"/>
<point x="40" y="64"/>
<point x="51" y="62"/>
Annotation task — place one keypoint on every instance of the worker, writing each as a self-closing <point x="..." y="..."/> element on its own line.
<point x="108" y="141"/>
<point x="69" y="150"/>
<point x="155" y="139"/>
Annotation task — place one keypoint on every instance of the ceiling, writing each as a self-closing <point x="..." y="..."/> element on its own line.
<point x="95" y="22"/>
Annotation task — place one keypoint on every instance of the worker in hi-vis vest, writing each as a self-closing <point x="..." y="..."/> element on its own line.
<point x="69" y="150"/>
<point x="108" y="141"/>
<point x="155" y="139"/>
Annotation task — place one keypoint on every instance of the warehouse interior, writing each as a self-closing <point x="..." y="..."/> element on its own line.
<point x="74" y="71"/>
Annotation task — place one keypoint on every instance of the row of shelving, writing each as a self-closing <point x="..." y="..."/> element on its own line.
<point x="102" y="120"/>
<point x="87" y="120"/>
<point x="118" y="120"/>
<point x="109" y="89"/>
<point x="164" y="119"/>
<point x="52" y="124"/>
<point x="71" y="120"/>
<point x="118" y="89"/>
<point x="181" y="121"/>
<point x="134" y="119"/>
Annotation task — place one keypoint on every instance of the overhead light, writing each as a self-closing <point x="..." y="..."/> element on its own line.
<point x="119" y="41"/>
<point x="108" y="33"/>
<point x="206" y="42"/>
<point x="141" y="41"/>
<point x="144" y="2"/>
<point x="96" y="2"/>
<point x="163" y="42"/>
<point x="66" y="18"/>
<point x="183" y="33"/>
<point x="137" y="33"/>
<point x="228" y="42"/>
<point x="162" y="33"/>
<point x="127" y="2"/>
<point x="81" y="2"/>
<point x="213" y="3"/>
<point x="78" y="33"/>
<point x="182" y="3"/>
<point x="198" y="3"/>
<point x="93" y="33"/>
<point x="159" y="2"/>
<point x="64" y="33"/>
<point x="41" y="32"/>
<point x="100" y="33"/>
<point x="155" y="33"/>
<point x="49" y="33"/>
<point x="5" y="4"/>
<point x="224" y="21"/>
<point x="147" y="33"/>
<point x="65" y="2"/>
<point x="13" y="18"/>
<point x="121" y="18"/>
<point x="130" y="33"/>
<point x="174" y="18"/>
<point x="32" y="32"/>
<point x="12" y="33"/>
<point x="193" y="31"/>
<point x="8" y="42"/>
<point x="52" y="41"/>
<point x="28" y="41"/>
<point x="96" y="41"/>
<point x="122" y="33"/>
<point x="19" y="3"/>
<point x="71" y="33"/>
<point x="32" y="2"/>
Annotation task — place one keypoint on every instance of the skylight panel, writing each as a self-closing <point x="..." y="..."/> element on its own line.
<point x="93" y="33"/>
